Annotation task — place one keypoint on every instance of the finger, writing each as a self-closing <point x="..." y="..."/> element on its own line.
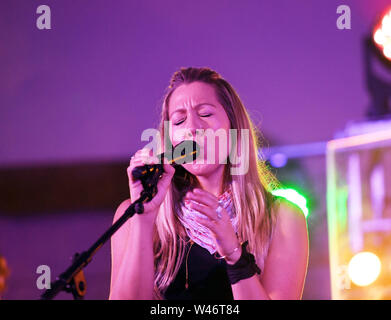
<point x="135" y="184"/>
<point x="146" y="152"/>
<point x="131" y="159"/>
<point x="136" y="159"/>
<point x="135" y="156"/>
<point x="204" y="210"/>
<point x="165" y="180"/>
<point x="167" y="176"/>
<point x="135" y="163"/>
<point x="207" y="223"/>
<point x="142" y="160"/>
<point x="139" y="152"/>
<point x="169" y="169"/>
<point x="212" y="203"/>
<point x="224" y="215"/>
<point x="149" y="159"/>
<point x="205" y="193"/>
<point x="164" y="183"/>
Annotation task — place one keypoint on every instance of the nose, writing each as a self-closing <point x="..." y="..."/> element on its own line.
<point x="193" y="123"/>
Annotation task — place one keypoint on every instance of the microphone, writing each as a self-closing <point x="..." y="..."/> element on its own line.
<point x="185" y="152"/>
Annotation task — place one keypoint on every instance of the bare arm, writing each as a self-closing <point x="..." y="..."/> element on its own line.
<point x="132" y="259"/>
<point x="132" y="264"/>
<point x="286" y="264"/>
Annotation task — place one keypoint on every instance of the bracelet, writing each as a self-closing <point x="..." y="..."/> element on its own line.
<point x="228" y="255"/>
<point x="244" y="268"/>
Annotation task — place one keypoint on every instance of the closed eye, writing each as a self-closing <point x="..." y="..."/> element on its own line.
<point x="179" y="122"/>
<point x="201" y="115"/>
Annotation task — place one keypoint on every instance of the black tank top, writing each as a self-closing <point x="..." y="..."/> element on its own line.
<point x="207" y="277"/>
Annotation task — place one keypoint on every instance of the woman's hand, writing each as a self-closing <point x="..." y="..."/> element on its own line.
<point x="140" y="158"/>
<point x="222" y="229"/>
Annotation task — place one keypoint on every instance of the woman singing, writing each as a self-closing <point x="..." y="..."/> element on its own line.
<point x="209" y="233"/>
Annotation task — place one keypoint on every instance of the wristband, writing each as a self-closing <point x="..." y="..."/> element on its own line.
<point x="244" y="268"/>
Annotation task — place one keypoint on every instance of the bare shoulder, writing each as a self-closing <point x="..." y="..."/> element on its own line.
<point x="290" y="236"/>
<point x="286" y="264"/>
<point x="290" y="217"/>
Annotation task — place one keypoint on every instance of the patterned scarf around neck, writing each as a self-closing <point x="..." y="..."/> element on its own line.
<point x="201" y="234"/>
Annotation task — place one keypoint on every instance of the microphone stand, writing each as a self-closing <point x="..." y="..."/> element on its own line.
<point x="72" y="279"/>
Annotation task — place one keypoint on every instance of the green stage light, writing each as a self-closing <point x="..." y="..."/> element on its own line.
<point x="293" y="196"/>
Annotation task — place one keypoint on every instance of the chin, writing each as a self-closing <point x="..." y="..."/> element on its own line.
<point x="201" y="169"/>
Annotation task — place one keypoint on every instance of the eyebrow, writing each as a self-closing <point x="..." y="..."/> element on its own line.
<point x="196" y="106"/>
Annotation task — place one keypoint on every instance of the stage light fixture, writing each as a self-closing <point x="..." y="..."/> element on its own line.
<point x="382" y="35"/>
<point x="377" y="48"/>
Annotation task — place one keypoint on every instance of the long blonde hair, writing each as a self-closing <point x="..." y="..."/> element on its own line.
<point x="251" y="192"/>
